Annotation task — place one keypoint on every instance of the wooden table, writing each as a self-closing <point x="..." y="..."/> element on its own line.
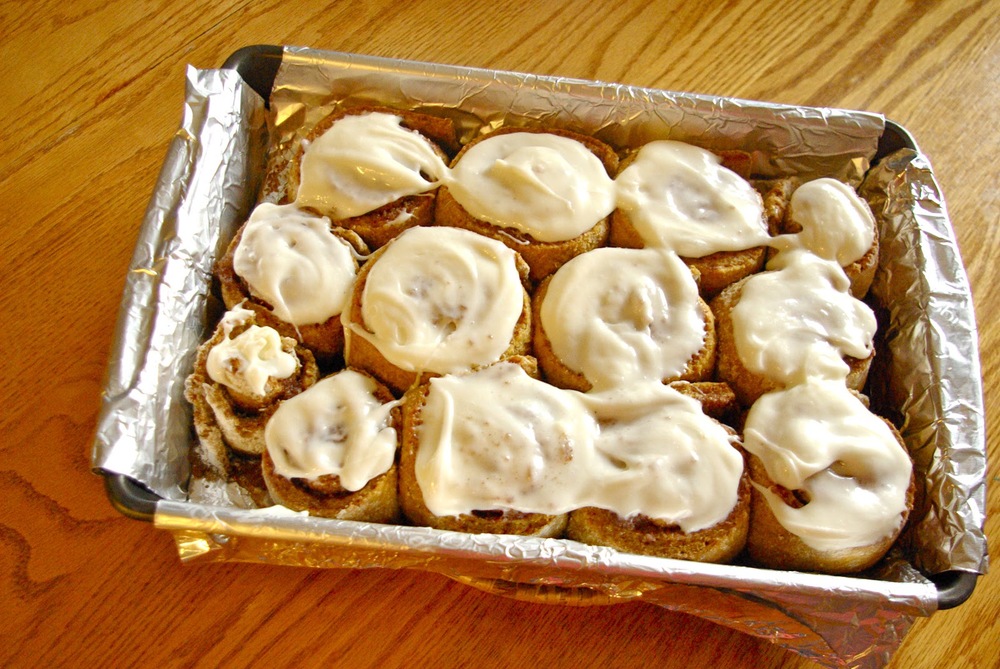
<point x="91" y="96"/>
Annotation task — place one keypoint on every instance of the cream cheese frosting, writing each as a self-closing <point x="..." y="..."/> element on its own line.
<point x="836" y="223"/>
<point x="550" y="187"/>
<point x="680" y="197"/>
<point x="798" y="320"/>
<point x="251" y="358"/>
<point x="364" y="162"/>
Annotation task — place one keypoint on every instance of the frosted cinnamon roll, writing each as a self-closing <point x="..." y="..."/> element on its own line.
<point x="679" y="197"/>
<point x="497" y="450"/>
<point x="795" y="321"/>
<point x="674" y="484"/>
<point x="616" y="316"/>
<point x="437" y="301"/>
<point x="295" y="272"/>
<point x="544" y="193"/>
<point x="828" y="218"/>
<point x="474" y="447"/>
<point x="240" y="376"/>
<point x="373" y="170"/>
<point x="331" y="450"/>
<point x="833" y="482"/>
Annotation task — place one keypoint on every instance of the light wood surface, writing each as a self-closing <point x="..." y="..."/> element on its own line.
<point x="91" y="94"/>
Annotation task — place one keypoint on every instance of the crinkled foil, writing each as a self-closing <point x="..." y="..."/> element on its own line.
<point x="206" y="188"/>
<point x="209" y="182"/>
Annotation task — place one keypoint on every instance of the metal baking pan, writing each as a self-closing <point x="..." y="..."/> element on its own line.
<point x="258" y="67"/>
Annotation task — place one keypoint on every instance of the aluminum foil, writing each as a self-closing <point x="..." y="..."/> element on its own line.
<point x="210" y="181"/>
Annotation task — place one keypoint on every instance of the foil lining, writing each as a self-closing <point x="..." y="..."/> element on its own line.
<point x="210" y="181"/>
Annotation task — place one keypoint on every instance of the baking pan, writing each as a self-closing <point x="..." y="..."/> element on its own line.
<point x="258" y="67"/>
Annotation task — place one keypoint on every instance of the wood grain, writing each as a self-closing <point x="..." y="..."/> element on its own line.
<point x="91" y="96"/>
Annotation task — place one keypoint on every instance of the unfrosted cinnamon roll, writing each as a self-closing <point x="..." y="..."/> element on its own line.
<point x="544" y="193"/>
<point x="295" y="272"/>
<point x="679" y="197"/>
<point x="616" y="316"/>
<point x="795" y="321"/>
<point x="437" y="301"/>
<point x="240" y="376"/>
<point x="331" y="450"/>
<point x="833" y="482"/>
<point x="373" y="170"/>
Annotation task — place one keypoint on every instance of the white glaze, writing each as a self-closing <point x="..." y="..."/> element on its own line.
<point x="291" y="260"/>
<point x="498" y="439"/>
<point x="547" y="186"/>
<point x="364" y="162"/>
<point x="798" y="320"/>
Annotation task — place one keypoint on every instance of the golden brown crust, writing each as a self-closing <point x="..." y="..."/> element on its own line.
<point x="729" y="368"/>
<point x="377" y="502"/>
<point x="494" y="521"/>
<point x="776" y="194"/>
<point x="363" y="355"/>
<point x="769" y="544"/>
<point x="717" y="399"/>
<point x="647" y="536"/>
<point x="543" y="258"/>
<point x="325" y="340"/>
<point x="699" y="368"/>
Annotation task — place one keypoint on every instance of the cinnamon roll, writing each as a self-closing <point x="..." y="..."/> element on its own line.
<point x="472" y="449"/>
<point x="674" y="483"/>
<point x="437" y="301"/>
<point x="544" y="193"/>
<point x="833" y="483"/>
<point x="331" y="450"/>
<point x="240" y="376"/>
<point x="679" y="197"/>
<point x="795" y="321"/>
<point x="616" y="316"/>
<point x="373" y="170"/>
<point x="296" y="272"/>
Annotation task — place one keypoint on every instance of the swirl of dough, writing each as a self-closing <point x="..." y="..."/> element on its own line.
<point x="292" y="260"/>
<point x="441" y="300"/>
<point x="246" y="362"/>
